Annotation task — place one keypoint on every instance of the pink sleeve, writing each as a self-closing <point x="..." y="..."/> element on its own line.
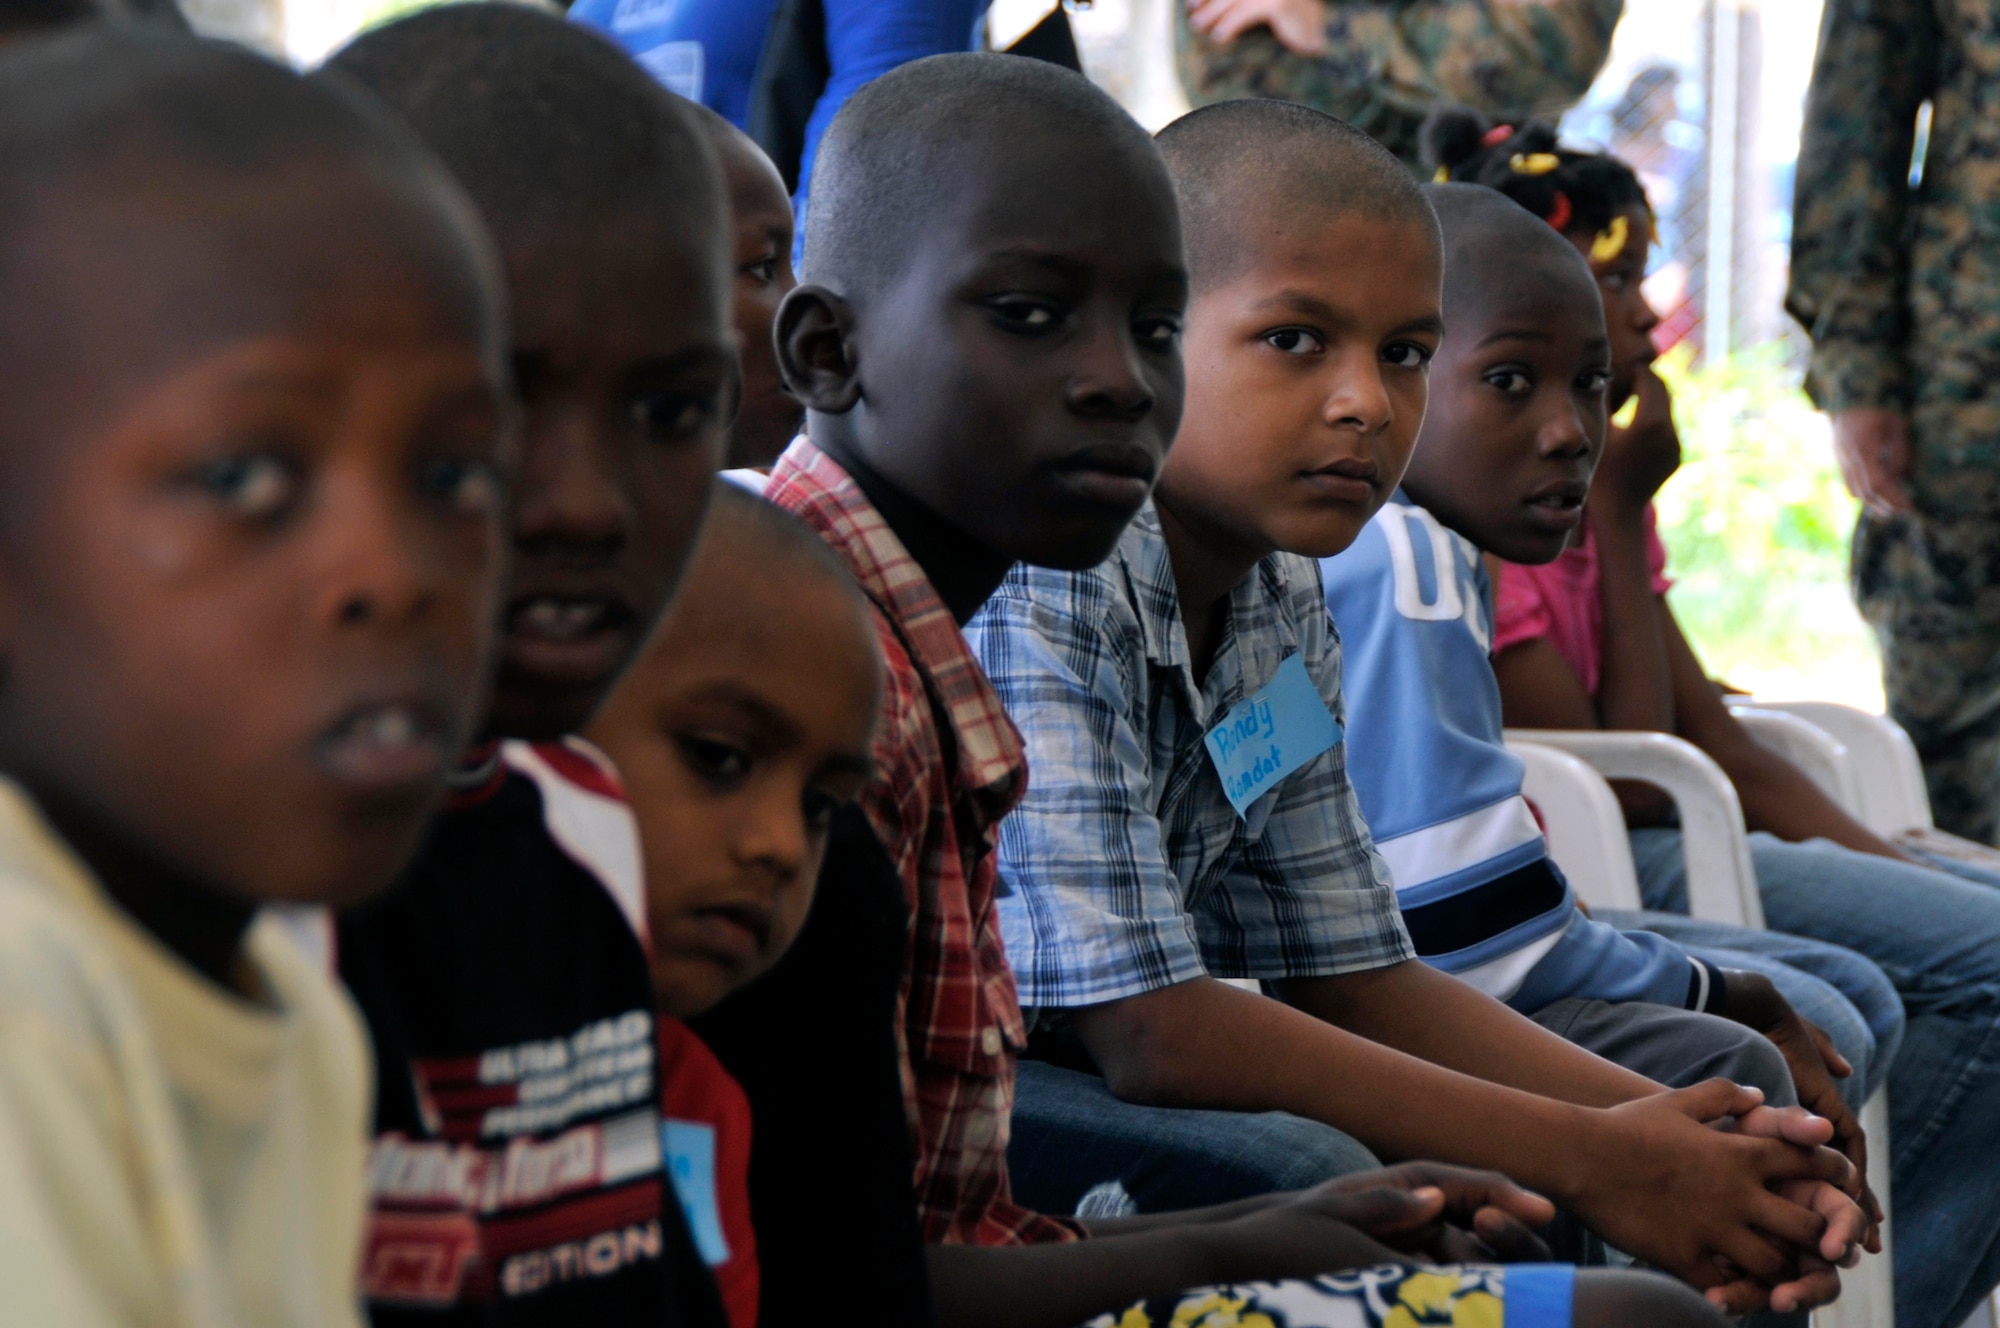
<point x="1520" y="614"/>
<point x="1656" y="553"/>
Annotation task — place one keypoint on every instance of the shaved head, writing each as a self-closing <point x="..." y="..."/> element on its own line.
<point x="549" y="127"/>
<point x="904" y="147"/>
<point x="1494" y="245"/>
<point x="160" y="194"/>
<point x="776" y="547"/>
<point x="1243" y="168"/>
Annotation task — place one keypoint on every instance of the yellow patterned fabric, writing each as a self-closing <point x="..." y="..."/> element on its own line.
<point x="1391" y="1296"/>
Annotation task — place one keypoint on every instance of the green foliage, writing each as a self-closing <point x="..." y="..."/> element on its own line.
<point x="1757" y="524"/>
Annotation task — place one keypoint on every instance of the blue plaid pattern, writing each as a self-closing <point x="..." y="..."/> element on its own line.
<point x="1125" y="869"/>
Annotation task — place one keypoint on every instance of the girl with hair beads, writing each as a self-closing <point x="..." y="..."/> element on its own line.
<point x="1589" y="641"/>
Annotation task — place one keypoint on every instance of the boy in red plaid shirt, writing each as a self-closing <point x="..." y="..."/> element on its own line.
<point x="988" y="349"/>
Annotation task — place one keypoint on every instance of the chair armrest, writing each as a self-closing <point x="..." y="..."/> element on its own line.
<point x="1586" y="829"/>
<point x="1722" y="884"/>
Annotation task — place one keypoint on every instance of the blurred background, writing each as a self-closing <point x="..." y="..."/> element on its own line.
<point x="1704" y="99"/>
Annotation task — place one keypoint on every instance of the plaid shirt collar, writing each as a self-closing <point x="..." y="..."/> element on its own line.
<point x="1256" y="637"/>
<point x="992" y="763"/>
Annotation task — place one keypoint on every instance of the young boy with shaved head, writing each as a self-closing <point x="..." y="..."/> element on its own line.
<point x="254" y="440"/>
<point x="519" y="1168"/>
<point x="741" y="733"/>
<point x="761" y="216"/>
<point x="986" y="343"/>
<point x="1190" y="815"/>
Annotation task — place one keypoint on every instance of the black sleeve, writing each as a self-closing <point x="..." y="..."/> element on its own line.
<point x="813" y="1044"/>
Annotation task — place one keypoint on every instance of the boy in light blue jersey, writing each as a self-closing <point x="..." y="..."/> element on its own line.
<point x="1441" y="791"/>
<point x="1189" y="816"/>
<point x="1442" y="795"/>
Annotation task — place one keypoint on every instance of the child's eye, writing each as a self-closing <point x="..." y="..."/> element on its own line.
<point x="1512" y="382"/>
<point x="718" y="762"/>
<point x="1615" y="282"/>
<point x="1594" y="381"/>
<point x="672" y="416"/>
<point x="1408" y="355"/>
<point x="1157" y="333"/>
<point x="1294" y="341"/>
<point x="764" y="270"/>
<point x="258" y="486"/>
<point x="470" y="487"/>
<point x="1025" y="313"/>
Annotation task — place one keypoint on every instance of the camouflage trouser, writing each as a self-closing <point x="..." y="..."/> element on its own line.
<point x="1930" y="586"/>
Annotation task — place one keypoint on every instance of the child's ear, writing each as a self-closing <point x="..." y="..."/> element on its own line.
<point x="815" y="339"/>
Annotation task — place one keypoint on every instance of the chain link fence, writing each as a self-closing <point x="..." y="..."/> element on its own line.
<point x="1701" y="134"/>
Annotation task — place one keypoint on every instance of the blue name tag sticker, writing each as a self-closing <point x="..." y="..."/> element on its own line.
<point x="690" y="1150"/>
<point x="1269" y="734"/>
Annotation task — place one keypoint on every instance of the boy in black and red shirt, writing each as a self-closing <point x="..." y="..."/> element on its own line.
<point x="741" y="734"/>
<point x="518" y="1173"/>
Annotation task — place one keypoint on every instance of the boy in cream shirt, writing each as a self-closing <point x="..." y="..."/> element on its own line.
<point x="252" y="436"/>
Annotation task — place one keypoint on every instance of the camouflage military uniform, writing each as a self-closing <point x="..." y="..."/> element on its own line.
<point x="1389" y="61"/>
<point x="1900" y="290"/>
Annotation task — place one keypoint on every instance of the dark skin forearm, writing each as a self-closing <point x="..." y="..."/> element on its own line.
<point x="1777" y="796"/>
<point x="1061" y="1285"/>
<point x="1424" y="1211"/>
<point x="1204" y="1044"/>
<point x="1635" y="687"/>
<point x="1631" y="1159"/>
<point x="1539" y="690"/>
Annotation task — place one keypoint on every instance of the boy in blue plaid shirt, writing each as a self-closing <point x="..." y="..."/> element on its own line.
<point x="1189" y="812"/>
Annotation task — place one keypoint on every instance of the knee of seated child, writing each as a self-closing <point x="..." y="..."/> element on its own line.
<point x="1745" y="1056"/>
<point x="1606" y="1297"/>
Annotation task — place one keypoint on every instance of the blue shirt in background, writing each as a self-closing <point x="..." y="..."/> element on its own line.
<point x="707" y="50"/>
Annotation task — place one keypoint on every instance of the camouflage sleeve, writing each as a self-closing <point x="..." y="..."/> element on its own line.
<point x="1389" y="61"/>
<point x="1501" y="56"/>
<point x="1877" y="63"/>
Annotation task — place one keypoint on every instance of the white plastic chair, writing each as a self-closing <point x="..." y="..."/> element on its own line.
<point x="1587" y="839"/>
<point x="1585" y="829"/>
<point x="1889" y="793"/>
<point x="1722" y="885"/>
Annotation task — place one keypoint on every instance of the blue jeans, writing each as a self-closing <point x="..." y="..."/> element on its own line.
<point x="1937" y="937"/>
<point x="1842" y="992"/>
<point x="1071" y="1138"/>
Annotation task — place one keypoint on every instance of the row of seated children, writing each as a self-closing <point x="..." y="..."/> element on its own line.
<point x="932" y="506"/>
<point x="291" y="499"/>
<point x="1588" y="641"/>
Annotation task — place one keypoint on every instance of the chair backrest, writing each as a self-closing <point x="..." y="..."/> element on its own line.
<point x="1888" y="775"/>
<point x="1824" y="758"/>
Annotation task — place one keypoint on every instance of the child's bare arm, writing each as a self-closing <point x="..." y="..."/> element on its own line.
<point x="1421" y="1212"/>
<point x="1058" y="1286"/>
<point x="1672" y="1190"/>
<point x="1634" y="690"/>
<point x="1777" y="796"/>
